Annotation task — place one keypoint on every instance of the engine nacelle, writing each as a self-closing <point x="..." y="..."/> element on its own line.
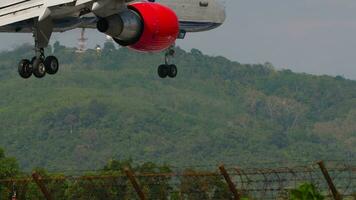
<point x="144" y="26"/>
<point x="126" y="27"/>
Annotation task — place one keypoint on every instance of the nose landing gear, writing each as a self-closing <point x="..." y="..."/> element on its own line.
<point x="167" y="69"/>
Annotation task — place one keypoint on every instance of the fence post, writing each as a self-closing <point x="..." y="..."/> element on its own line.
<point x="328" y="179"/>
<point x="228" y="180"/>
<point x="134" y="183"/>
<point x="38" y="180"/>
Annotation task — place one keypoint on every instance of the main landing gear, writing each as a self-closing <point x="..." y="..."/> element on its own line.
<point x="38" y="66"/>
<point x="167" y="69"/>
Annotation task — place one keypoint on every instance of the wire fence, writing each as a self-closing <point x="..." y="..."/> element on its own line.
<point x="186" y="184"/>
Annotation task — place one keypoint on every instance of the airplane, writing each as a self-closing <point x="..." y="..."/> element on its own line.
<point x="142" y="25"/>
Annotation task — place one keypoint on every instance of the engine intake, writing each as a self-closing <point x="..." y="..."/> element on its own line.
<point x="127" y="27"/>
<point x="144" y="26"/>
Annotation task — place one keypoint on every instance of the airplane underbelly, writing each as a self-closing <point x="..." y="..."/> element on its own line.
<point x="197" y="15"/>
<point x="90" y="23"/>
<point x="195" y="26"/>
<point x="193" y="17"/>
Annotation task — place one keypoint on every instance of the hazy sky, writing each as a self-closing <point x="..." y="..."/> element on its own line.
<point x="313" y="36"/>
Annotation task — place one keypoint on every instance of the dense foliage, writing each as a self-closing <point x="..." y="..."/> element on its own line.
<point x="8" y="169"/>
<point x="113" y="105"/>
<point x="158" y="182"/>
<point x="112" y="183"/>
<point x="306" y="191"/>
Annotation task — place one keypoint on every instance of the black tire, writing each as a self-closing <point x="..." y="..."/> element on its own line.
<point x="25" y="69"/>
<point x="51" y="64"/>
<point x="38" y="67"/>
<point x="163" y="71"/>
<point x="173" y="71"/>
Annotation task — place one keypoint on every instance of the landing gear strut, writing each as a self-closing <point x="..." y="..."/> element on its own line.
<point x="40" y="64"/>
<point x="167" y="69"/>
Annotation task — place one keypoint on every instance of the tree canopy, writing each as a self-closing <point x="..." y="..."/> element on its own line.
<point x="112" y="105"/>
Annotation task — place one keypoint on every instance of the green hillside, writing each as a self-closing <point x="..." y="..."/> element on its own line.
<point x="113" y="105"/>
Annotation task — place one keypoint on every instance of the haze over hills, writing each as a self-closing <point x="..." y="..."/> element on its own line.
<point x="113" y="105"/>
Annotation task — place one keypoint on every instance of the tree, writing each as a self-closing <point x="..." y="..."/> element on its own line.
<point x="109" y="47"/>
<point x="8" y="166"/>
<point x="203" y="187"/>
<point x="306" y="191"/>
<point x="156" y="187"/>
<point x="57" y="47"/>
<point x="71" y="120"/>
<point x="8" y="169"/>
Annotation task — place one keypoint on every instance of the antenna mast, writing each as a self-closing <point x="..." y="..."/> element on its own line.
<point x="82" y="42"/>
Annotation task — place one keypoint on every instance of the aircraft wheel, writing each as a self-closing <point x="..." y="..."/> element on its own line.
<point x="24" y="69"/>
<point x="39" y="68"/>
<point x="163" y="71"/>
<point x="51" y="64"/>
<point x="173" y="71"/>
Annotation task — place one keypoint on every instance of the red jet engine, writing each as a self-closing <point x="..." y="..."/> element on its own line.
<point x="144" y="26"/>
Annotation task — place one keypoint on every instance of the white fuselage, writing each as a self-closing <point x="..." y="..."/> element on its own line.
<point x="193" y="15"/>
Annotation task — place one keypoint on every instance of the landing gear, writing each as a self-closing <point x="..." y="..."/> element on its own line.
<point x="167" y="69"/>
<point x="25" y="69"/>
<point x="173" y="71"/>
<point x="51" y="64"/>
<point x="39" y="69"/>
<point x="38" y="66"/>
<point x="162" y="71"/>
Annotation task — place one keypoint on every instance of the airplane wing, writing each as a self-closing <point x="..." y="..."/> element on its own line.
<point x="12" y="11"/>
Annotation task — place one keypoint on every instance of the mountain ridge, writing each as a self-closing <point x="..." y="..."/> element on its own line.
<point x="113" y="105"/>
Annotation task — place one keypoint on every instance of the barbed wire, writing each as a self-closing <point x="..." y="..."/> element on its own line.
<point x="254" y="182"/>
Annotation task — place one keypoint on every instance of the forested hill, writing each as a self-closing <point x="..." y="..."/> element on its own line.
<point x="113" y="105"/>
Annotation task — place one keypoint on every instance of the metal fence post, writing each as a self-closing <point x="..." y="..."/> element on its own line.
<point x="328" y="179"/>
<point x="134" y="183"/>
<point x="228" y="180"/>
<point x="38" y="180"/>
